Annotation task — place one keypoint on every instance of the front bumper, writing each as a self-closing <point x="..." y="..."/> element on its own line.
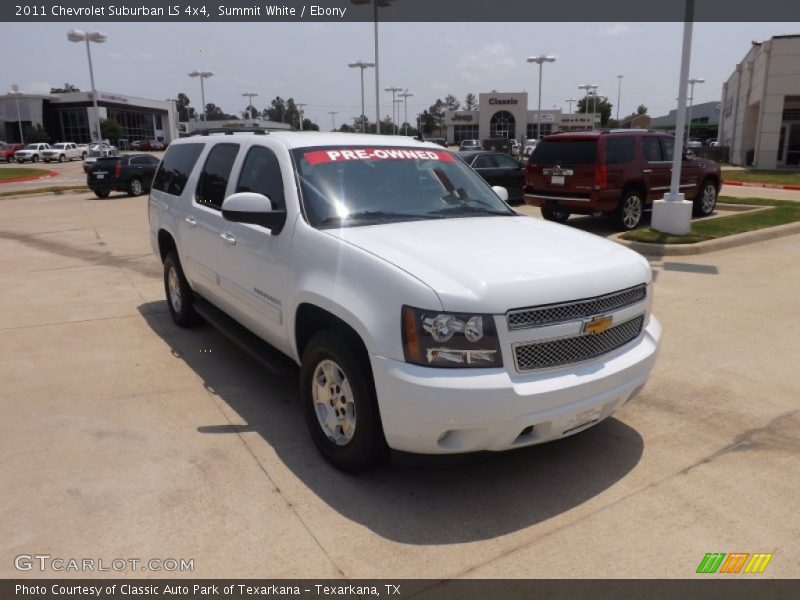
<point x="440" y="411"/>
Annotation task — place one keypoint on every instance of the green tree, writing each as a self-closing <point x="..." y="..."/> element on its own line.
<point x="309" y="125"/>
<point x="68" y="87"/>
<point x="470" y="102"/>
<point x="36" y="134"/>
<point x="111" y="130"/>
<point x="185" y="110"/>
<point x="276" y="111"/>
<point x="451" y="102"/>
<point x="597" y="104"/>
<point x="641" y="110"/>
<point x="345" y="128"/>
<point x="433" y="118"/>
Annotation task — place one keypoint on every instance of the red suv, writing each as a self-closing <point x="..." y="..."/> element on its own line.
<point x="618" y="173"/>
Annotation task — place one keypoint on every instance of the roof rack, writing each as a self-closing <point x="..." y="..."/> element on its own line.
<point x="623" y="130"/>
<point x="231" y="131"/>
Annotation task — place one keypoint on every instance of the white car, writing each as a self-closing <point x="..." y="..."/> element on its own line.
<point x="31" y="152"/>
<point x="530" y="146"/>
<point x="98" y="151"/>
<point x="425" y="314"/>
<point x="63" y="151"/>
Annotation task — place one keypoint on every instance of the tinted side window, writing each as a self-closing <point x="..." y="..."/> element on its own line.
<point x="214" y="177"/>
<point x="651" y="150"/>
<point x="565" y="152"/>
<point x="619" y="150"/>
<point x="176" y="167"/>
<point x="261" y="174"/>
<point x="668" y="145"/>
<point x="484" y="161"/>
<point x="506" y="162"/>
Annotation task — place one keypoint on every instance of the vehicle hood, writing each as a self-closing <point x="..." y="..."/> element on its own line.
<point x="493" y="264"/>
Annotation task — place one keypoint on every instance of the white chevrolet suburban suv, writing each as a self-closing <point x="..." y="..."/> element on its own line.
<point x="425" y="314"/>
<point x="63" y="151"/>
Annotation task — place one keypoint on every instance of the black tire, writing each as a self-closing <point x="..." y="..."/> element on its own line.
<point x="35" y="159"/>
<point x="62" y="158"/>
<point x="180" y="299"/>
<point x="630" y="211"/>
<point x="706" y="200"/>
<point x="366" y="446"/>
<point x="135" y="187"/>
<point x="101" y="193"/>
<point x="83" y="156"/>
<point x="557" y="215"/>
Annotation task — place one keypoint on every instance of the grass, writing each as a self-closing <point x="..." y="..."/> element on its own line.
<point x="14" y="172"/>
<point x="783" y="212"/>
<point x="780" y="177"/>
<point x="55" y="189"/>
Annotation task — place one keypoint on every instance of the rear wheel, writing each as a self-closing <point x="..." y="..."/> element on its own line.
<point x="102" y="193"/>
<point x="340" y="405"/>
<point x="557" y="215"/>
<point x="706" y="200"/>
<point x="135" y="187"/>
<point x="180" y="299"/>
<point x="630" y="210"/>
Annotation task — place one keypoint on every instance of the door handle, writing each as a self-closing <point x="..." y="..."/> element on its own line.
<point x="229" y="239"/>
<point x="647" y="170"/>
<point x="191" y="221"/>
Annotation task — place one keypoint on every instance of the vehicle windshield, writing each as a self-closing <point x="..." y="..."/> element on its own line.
<point x="349" y="187"/>
<point x="565" y="152"/>
<point x="58" y="147"/>
<point x="32" y="147"/>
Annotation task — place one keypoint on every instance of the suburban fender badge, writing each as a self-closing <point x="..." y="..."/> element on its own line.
<point x="598" y="324"/>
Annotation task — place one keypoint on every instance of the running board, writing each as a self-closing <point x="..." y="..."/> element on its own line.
<point x="272" y="359"/>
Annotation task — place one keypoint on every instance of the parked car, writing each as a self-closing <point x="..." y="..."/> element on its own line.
<point x="132" y="173"/>
<point x="7" y="151"/>
<point x="31" y="152"/>
<point x="98" y="151"/>
<point x="63" y="151"/>
<point x="514" y="147"/>
<point x="140" y="145"/>
<point x="618" y="173"/>
<point x="498" y="169"/>
<point x="383" y="271"/>
<point x="711" y="142"/>
<point x="530" y="146"/>
<point x="438" y="141"/>
<point x="694" y="143"/>
<point x="84" y="148"/>
<point x="470" y="145"/>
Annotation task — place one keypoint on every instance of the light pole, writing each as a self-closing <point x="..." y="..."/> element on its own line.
<point x="589" y="87"/>
<point x="540" y="60"/>
<point x="405" y="96"/>
<point x="619" y="95"/>
<point x="202" y="75"/>
<point x="691" y="82"/>
<point x="16" y="92"/>
<point x="393" y="90"/>
<point x="300" y="106"/>
<point x="98" y="37"/>
<point x="397" y="104"/>
<point x="360" y="64"/>
<point x="249" y="96"/>
<point x="376" y="4"/>
<point x="333" y="114"/>
<point x="569" y="102"/>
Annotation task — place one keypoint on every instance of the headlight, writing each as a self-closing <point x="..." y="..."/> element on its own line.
<point x="437" y="339"/>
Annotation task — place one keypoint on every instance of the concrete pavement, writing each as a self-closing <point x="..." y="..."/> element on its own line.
<point x="122" y="435"/>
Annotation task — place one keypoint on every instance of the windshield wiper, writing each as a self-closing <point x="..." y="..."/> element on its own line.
<point x="376" y="215"/>
<point x="466" y="208"/>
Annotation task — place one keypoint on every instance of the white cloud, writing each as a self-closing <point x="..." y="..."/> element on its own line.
<point x="618" y="29"/>
<point x="489" y="61"/>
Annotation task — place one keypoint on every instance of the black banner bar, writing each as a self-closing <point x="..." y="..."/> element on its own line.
<point x="738" y="587"/>
<point x="396" y="11"/>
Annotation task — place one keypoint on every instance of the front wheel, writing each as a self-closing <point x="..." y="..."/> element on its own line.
<point x="180" y="299"/>
<point x="555" y="214"/>
<point x="62" y="158"/>
<point x="340" y="405"/>
<point x="706" y="200"/>
<point x="629" y="212"/>
<point x="135" y="187"/>
<point x="35" y="159"/>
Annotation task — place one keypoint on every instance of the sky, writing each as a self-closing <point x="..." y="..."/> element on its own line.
<point x="308" y="61"/>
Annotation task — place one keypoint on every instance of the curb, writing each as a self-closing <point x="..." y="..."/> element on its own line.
<point x="29" y="177"/>
<point x="755" y="184"/>
<point x="730" y="241"/>
<point x="33" y="194"/>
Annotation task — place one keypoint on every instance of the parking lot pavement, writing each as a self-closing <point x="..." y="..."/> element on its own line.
<point x="124" y="436"/>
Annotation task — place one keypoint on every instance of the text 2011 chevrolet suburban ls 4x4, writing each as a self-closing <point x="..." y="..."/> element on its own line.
<point x="381" y="266"/>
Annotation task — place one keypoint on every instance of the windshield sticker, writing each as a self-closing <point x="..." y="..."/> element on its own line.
<point x="328" y="156"/>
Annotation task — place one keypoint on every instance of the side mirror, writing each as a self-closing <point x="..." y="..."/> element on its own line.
<point x="501" y="192"/>
<point x="254" y="209"/>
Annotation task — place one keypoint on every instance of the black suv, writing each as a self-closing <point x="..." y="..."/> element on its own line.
<point x="132" y="173"/>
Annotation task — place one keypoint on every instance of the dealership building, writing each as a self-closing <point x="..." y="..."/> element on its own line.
<point x="66" y="117"/>
<point x="506" y="115"/>
<point x="760" y="120"/>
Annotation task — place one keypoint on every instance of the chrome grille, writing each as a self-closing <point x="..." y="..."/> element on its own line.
<point x="526" y="318"/>
<point x="554" y="353"/>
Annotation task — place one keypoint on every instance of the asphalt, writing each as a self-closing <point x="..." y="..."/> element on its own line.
<point x="122" y="435"/>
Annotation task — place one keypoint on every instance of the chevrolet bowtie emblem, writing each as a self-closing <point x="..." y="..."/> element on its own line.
<point x="598" y="324"/>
